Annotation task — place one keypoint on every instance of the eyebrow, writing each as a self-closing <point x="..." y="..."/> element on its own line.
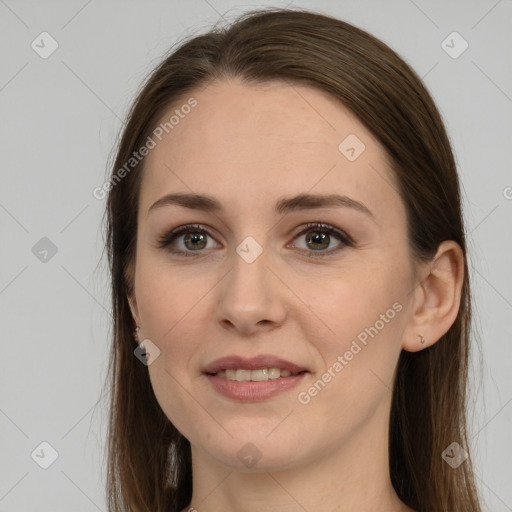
<point x="285" y="205"/>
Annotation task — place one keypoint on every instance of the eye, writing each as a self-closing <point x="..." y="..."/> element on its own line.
<point x="319" y="237"/>
<point x="188" y="239"/>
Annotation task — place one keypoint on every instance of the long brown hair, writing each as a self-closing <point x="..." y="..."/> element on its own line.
<point x="149" y="461"/>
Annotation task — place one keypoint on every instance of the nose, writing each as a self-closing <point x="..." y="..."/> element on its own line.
<point x="251" y="297"/>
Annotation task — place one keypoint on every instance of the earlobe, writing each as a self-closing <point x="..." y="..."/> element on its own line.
<point x="437" y="298"/>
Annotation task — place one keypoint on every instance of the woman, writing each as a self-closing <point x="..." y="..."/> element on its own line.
<point x="286" y="245"/>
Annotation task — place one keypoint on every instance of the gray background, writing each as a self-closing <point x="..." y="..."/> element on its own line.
<point x="59" y="120"/>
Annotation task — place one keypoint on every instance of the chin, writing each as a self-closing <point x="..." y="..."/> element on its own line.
<point x="254" y="453"/>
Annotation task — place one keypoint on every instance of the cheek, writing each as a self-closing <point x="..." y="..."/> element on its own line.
<point x="165" y="295"/>
<point x="169" y="304"/>
<point x="359" y="360"/>
<point x="357" y="301"/>
<point x="166" y="304"/>
<point x="364" y="312"/>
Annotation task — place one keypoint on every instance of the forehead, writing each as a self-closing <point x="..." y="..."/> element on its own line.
<point x="247" y="144"/>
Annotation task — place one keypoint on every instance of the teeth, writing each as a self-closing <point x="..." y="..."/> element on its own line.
<point x="242" y="375"/>
<point x="274" y="373"/>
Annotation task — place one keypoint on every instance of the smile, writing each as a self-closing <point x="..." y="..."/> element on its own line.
<point x="248" y="390"/>
<point x="262" y="374"/>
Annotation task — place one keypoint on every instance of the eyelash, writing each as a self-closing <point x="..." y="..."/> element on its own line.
<point x="346" y="240"/>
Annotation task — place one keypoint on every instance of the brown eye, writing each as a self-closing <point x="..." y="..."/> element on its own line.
<point x="319" y="238"/>
<point x="195" y="241"/>
<point x="186" y="239"/>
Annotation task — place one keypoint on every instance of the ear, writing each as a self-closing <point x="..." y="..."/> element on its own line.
<point x="436" y="297"/>
<point x="129" y="276"/>
<point x="132" y="302"/>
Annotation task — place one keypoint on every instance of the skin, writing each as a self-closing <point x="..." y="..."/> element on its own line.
<point x="248" y="146"/>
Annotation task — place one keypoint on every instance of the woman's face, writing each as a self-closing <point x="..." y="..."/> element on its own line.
<point x="251" y="280"/>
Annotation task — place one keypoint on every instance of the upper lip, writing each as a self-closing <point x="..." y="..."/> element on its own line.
<point x="252" y="363"/>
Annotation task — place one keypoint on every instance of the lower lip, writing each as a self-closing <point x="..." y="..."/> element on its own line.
<point x="253" y="391"/>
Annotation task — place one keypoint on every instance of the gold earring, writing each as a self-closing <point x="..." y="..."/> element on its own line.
<point x="422" y="339"/>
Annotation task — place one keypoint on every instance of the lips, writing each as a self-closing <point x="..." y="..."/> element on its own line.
<point x="252" y="363"/>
